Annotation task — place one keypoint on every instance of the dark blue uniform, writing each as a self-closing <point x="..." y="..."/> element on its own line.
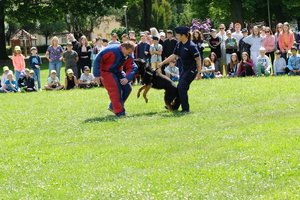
<point x="188" y="68"/>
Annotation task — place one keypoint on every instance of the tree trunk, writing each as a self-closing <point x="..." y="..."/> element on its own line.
<point x="3" y="53"/>
<point x="237" y="11"/>
<point x="147" y="13"/>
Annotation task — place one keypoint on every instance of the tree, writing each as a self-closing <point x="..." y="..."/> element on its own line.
<point x="3" y="53"/>
<point x="48" y="29"/>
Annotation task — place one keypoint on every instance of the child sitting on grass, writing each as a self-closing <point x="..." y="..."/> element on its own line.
<point x="172" y="71"/>
<point x="26" y="83"/>
<point x="71" y="80"/>
<point x="87" y="79"/>
<point x="263" y="65"/>
<point x="208" y="69"/>
<point x="10" y="84"/>
<point x="279" y="64"/>
<point x="53" y="82"/>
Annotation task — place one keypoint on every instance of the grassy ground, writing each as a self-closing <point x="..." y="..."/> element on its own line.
<point x="241" y="141"/>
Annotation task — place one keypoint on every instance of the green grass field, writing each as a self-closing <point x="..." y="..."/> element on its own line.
<point x="241" y="141"/>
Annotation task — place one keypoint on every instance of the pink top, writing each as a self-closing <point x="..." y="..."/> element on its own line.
<point x="286" y="41"/>
<point x="268" y="43"/>
<point x="18" y="62"/>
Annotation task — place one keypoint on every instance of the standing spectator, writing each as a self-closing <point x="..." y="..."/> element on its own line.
<point x="131" y="34"/>
<point x="238" y="35"/>
<point x="169" y="44"/>
<point x="208" y="69"/>
<point x="215" y="61"/>
<point x="198" y="40"/>
<point x="232" y="66"/>
<point x="108" y="65"/>
<point x="18" y="61"/>
<point x="70" y="80"/>
<point x="142" y="50"/>
<point x="10" y="84"/>
<point x="223" y="37"/>
<point x="155" y="51"/>
<point x="35" y="63"/>
<point x="298" y="41"/>
<point x="172" y="71"/>
<point x="263" y="64"/>
<point x="162" y="38"/>
<point x="279" y="64"/>
<point x="87" y="79"/>
<point x="98" y="47"/>
<point x="246" y="66"/>
<point x="268" y="42"/>
<point x="84" y="54"/>
<point x="54" y="55"/>
<point x="4" y="76"/>
<point x="294" y="63"/>
<point x="286" y="40"/>
<point x="263" y="31"/>
<point x="214" y="43"/>
<point x="255" y="41"/>
<point x="75" y="43"/>
<point x="125" y="38"/>
<point x="114" y="39"/>
<point x="154" y="32"/>
<point x="70" y="57"/>
<point x="53" y="82"/>
<point x="243" y="46"/>
<point x="231" y="46"/>
<point x="278" y="31"/>
<point x="104" y="43"/>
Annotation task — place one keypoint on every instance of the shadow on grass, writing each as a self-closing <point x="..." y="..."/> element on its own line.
<point x="112" y="118"/>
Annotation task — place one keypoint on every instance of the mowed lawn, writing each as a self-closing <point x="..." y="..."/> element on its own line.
<point x="241" y="141"/>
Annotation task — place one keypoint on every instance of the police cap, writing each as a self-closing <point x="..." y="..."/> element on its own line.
<point x="182" y="30"/>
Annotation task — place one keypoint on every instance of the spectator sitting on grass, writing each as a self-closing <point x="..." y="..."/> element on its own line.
<point x="4" y="76"/>
<point x="294" y="63"/>
<point x="263" y="65"/>
<point x="53" y="82"/>
<point x="71" y="80"/>
<point x="27" y="82"/>
<point x="279" y="64"/>
<point x="10" y="84"/>
<point x="208" y="69"/>
<point x="172" y="71"/>
<point x="246" y="66"/>
<point x="232" y="66"/>
<point x="87" y="79"/>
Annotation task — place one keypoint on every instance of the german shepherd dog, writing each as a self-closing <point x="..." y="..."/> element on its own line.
<point x="152" y="79"/>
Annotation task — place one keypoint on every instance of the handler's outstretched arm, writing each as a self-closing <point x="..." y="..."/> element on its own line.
<point x="166" y="61"/>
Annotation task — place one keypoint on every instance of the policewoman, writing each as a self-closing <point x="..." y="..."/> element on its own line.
<point x="190" y="64"/>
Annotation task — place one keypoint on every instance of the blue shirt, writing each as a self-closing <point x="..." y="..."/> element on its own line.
<point x="35" y="60"/>
<point x="187" y="53"/>
<point x="294" y="62"/>
<point x="9" y="87"/>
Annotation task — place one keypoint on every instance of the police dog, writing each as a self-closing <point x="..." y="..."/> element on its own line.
<point x="152" y="79"/>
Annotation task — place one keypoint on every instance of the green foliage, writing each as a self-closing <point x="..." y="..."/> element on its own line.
<point x="120" y="31"/>
<point x="161" y="14"/>
<point x="241" y="141"/>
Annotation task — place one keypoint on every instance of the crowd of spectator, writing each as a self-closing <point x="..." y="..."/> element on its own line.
<point x="238" y="53"/>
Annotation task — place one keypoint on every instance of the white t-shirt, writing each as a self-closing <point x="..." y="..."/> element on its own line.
<point x="87" y="78"/>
